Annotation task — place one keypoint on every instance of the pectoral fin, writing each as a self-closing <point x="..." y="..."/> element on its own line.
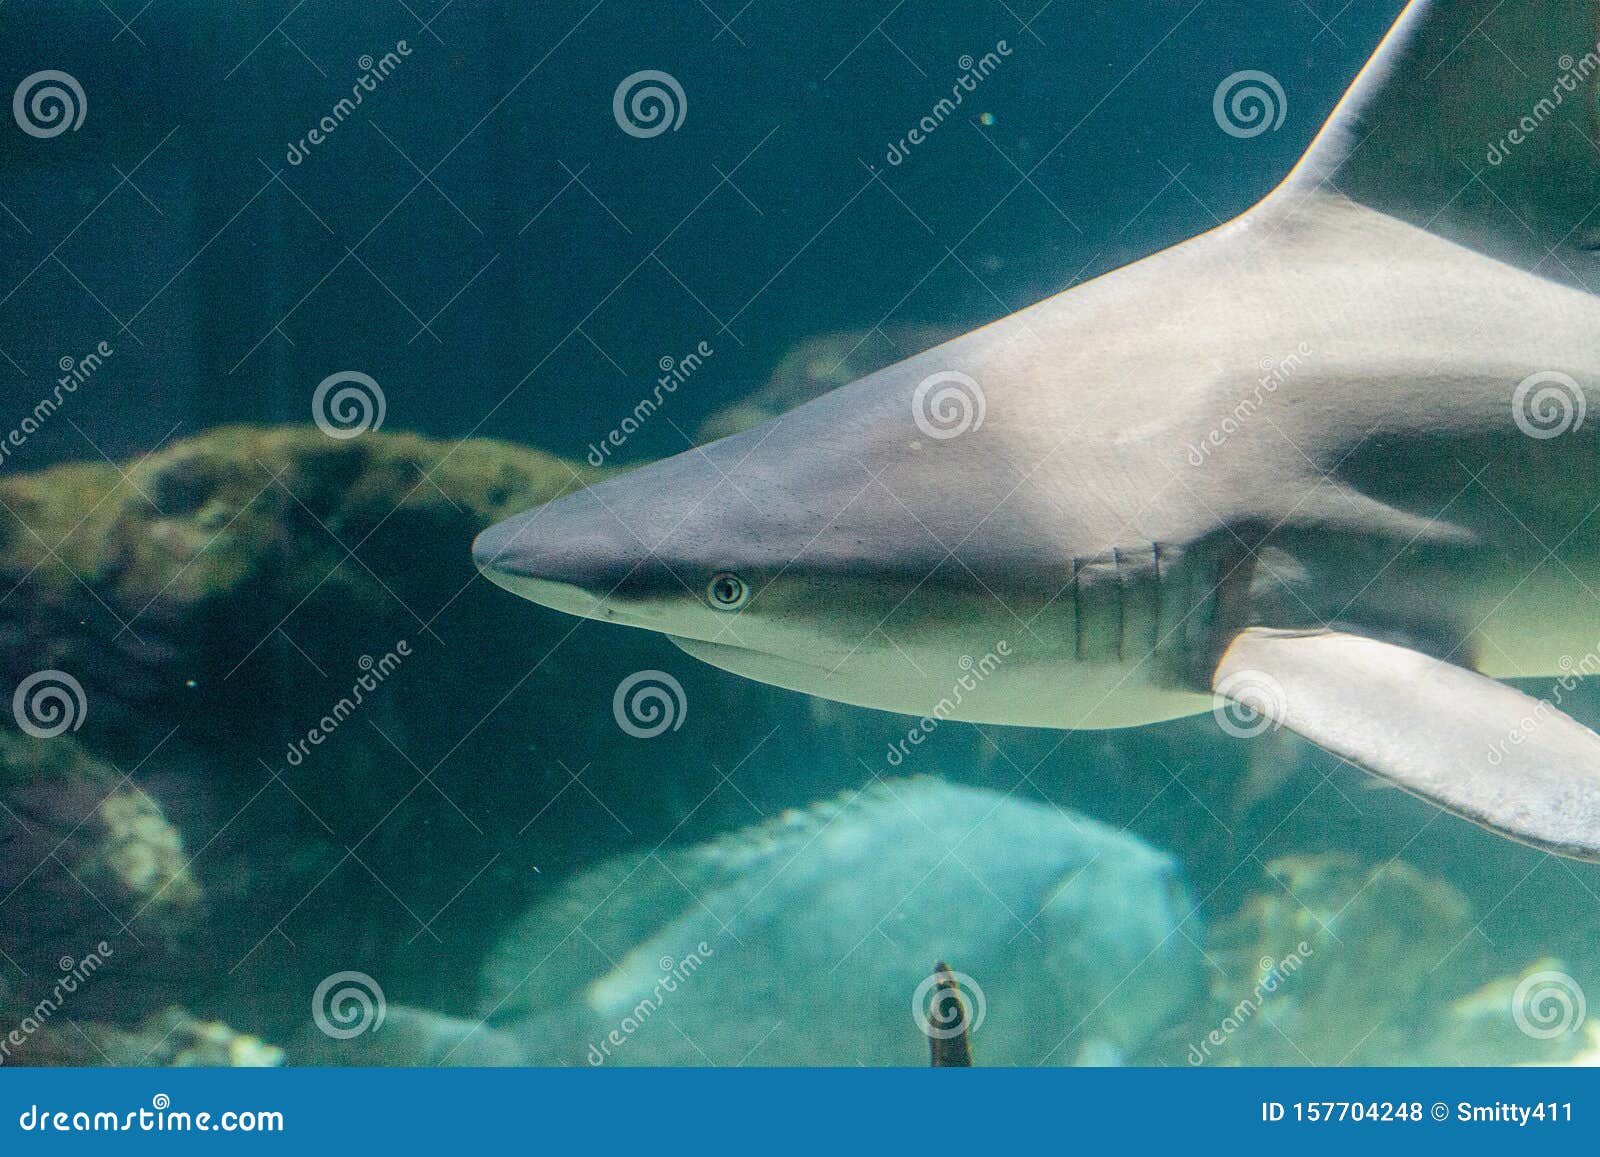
<point x="1475" y="747"/>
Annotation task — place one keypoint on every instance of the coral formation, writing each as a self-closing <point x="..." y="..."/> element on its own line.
<point x="87" y="852"/>
<point x="171" y="1038"/>
<point x="1340" y="962"/>
<point x="155" y="582"/>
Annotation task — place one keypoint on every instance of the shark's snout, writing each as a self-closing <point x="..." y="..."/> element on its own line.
<point x="507" y="548"/>
<point x="561" y="541"/>
<point x="565" y="554"/>
<point x="491" y="546"/>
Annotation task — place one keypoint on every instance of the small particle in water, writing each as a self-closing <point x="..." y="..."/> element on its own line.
<point x="986" y="119"/>
<point x="190" y="683"/>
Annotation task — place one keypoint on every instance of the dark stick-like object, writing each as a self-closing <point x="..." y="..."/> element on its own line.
<point x="947" y="1035"/>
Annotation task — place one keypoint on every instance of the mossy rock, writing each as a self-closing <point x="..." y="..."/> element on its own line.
<point x="215" y="560"/>
<point x="1340" y="962"/>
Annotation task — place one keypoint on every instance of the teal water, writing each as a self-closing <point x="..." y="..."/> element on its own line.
<point x="501" y="254"/>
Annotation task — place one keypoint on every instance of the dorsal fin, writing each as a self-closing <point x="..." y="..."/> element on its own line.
<point x="1478" y="121"/>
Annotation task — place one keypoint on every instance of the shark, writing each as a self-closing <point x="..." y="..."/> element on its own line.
<point x="1324" y="467"/>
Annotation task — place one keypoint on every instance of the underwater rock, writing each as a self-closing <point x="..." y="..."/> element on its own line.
<point x="807" y="940"/>
<point x="86" y="854"/>
<point x="1339" y="962"/>
<point x="816" y="366"/>
<point x="173" y="1038"/>
<point x="181" y="1039"/>
<point x="1538" y="1016"/>
<point x="157" y="584"/>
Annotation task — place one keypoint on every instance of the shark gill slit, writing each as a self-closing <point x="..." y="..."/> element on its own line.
<point x="1156" y="603"/>
<point x="1122" y="605"/>
<point x="1175" y="608"/>
<point x="1155" y="560"/>
<point x="1077" y="608"/>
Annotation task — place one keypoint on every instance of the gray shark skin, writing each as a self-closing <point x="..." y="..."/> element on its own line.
<point x="804" y="940"/>
<point x="1327" y="461"/>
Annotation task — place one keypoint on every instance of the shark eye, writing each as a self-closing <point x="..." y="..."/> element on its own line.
<point x="727" y="592"/>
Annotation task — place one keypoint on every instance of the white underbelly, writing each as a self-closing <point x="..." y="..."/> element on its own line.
<point x="978" y="672"/>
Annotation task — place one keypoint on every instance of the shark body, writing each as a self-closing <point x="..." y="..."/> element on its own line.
<point x="1328" y="461"/>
